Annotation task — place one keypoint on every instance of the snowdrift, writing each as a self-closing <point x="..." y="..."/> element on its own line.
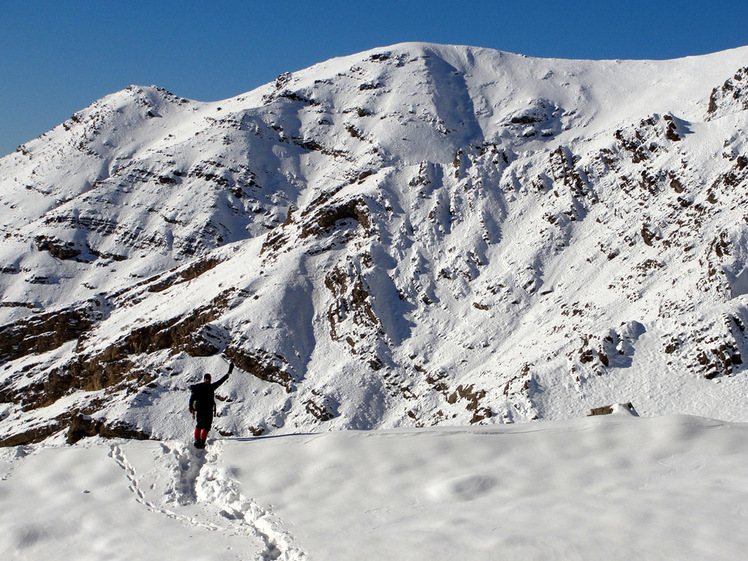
<point x="616" y="487"/>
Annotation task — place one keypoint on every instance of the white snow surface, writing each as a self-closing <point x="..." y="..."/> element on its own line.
<point x="616" y="487"/>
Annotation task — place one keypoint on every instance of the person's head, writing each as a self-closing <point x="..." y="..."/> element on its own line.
<point x="207" y="378"/>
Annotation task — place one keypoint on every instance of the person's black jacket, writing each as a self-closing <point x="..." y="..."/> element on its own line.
<point x="201" y="401"/>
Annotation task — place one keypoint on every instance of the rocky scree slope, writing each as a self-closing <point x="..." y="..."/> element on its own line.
<point x="411" y="236"/>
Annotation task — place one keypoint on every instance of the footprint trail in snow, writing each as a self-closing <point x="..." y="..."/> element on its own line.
<point x="192" y="486"/>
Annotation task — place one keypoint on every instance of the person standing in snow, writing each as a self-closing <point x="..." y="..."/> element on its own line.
<point x="203" y="406"/>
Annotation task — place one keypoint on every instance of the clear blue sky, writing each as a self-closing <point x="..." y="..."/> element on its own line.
<point x="56" y="57"/>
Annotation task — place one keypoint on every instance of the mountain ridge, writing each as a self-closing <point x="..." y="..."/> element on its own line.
<point x="413" y="235"/>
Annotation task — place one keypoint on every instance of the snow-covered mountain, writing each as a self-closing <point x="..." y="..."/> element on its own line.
<point x="411" y="236"/>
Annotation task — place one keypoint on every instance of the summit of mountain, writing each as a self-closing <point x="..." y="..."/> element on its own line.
<point x="414" y="235"/>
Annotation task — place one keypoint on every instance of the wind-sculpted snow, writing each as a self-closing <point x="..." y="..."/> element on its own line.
<point x="615" y="487"/>
<point x="412" y="236"/>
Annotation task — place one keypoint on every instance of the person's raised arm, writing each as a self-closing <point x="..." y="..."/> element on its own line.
<point x="226" y="377"/>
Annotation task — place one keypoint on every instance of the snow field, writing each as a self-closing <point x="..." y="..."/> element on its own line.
<point x="615" y="487"/>
<point x="132" y="500"/>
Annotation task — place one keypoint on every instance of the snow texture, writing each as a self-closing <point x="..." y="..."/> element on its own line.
<point x="615" y="487"/>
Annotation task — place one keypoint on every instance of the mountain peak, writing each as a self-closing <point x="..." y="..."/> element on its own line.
<point x="414" y="235"/>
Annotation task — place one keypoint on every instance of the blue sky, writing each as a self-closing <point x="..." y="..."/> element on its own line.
<point x="56" y="57"/>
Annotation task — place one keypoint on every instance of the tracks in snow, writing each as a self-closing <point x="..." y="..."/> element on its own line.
<point x="192" y="487"/>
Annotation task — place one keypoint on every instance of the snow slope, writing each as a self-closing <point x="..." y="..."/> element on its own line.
<point x="413" y="236"/>
<point x="615" y="487"/>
